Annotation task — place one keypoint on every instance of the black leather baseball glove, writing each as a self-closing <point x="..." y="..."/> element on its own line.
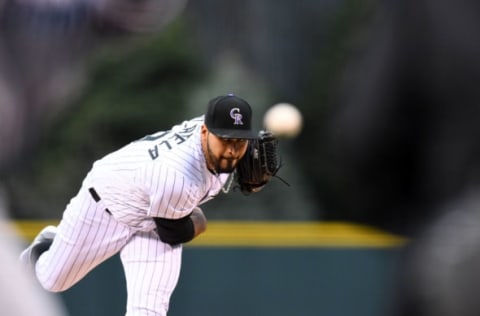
<point x="259" y="164"/>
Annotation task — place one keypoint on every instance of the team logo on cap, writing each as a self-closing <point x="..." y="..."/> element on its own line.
<point x="236" y="116"/>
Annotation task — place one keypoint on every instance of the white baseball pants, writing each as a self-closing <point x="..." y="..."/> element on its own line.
<point x="88" y="235"/>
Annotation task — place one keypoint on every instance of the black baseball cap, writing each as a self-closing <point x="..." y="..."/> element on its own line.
<point x="229" y="116"/>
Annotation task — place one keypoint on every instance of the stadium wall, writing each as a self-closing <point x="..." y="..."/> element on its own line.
<point x="261" y="268"/>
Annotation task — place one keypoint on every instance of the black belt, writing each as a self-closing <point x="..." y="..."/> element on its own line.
<point x="97" y="198"/>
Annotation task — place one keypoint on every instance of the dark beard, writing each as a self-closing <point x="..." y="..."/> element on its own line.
<point x="229" y="169"/>
<point x="216" y="163"/>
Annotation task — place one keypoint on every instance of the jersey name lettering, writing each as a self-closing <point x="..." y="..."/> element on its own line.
<point x="168" y="140"/>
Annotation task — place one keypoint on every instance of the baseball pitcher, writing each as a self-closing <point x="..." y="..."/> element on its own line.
<point x="142" y="202"/>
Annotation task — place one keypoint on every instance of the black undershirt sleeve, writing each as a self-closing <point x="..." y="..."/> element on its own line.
<point x="175" y="231"/>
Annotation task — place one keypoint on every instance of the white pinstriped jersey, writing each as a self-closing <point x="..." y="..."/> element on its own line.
<point x="160" y="175"/>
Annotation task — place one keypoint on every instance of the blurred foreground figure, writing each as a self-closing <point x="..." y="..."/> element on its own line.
<point x="21" y="296"/>
<point x="443" y="268"/>
<point x="45" y="46"/>
<point x="44" y="49"/>
<point x="407" y="132"/>
<point x="407" y="139"/>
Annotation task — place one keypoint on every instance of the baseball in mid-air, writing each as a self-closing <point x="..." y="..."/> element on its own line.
<point x="283" y="120"/>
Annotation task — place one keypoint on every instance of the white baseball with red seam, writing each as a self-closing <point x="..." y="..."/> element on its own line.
<point x="283" y="120"/>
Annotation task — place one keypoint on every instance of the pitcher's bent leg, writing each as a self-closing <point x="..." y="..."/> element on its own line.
<point x="152" y="269"/>
<point x="86" y="236"/>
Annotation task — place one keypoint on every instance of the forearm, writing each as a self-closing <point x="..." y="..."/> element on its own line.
<point x="199" y="221"/>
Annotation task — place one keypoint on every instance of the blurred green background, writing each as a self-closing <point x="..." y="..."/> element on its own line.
<point x="266" y="52"/>
<point x="389" y="95"/>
